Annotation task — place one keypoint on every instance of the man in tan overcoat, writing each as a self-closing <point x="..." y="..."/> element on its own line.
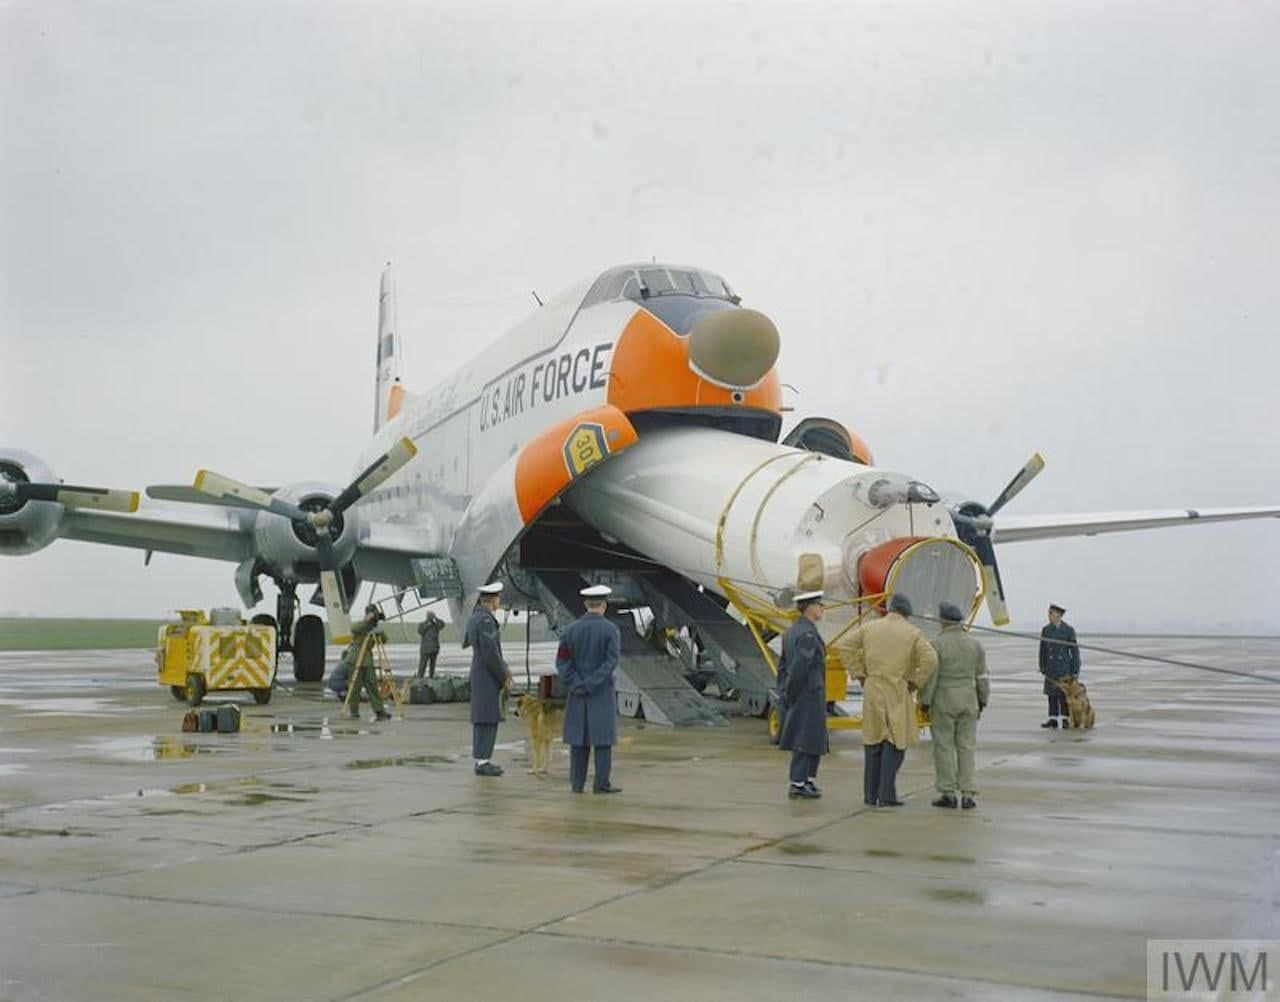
<point x="891" y="658"/>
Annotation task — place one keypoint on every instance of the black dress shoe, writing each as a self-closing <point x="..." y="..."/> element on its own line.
<point x="802" y="793"/>
<point x="890" y="803"/>
<point x="968" y="803"/>
<point x="1051" y="722"/>
<point x="488" y="769"/>
<point x="946" y="800"/>
<point x="813" y="786"/>
<point x="868" y="801"/>
<point x="384" y="715"/>
<point x="607" y="789"/>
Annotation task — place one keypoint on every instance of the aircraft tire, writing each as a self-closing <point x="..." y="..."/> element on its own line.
<point x="179" y="692"/>
<point x="195" y="689"/>
<point x="261" y="696"/>
<point x="308" y="649"/>
<point x="775" y="725"/>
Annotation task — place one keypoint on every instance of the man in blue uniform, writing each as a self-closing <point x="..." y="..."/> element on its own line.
<point x="1059" y="658"/>
<point x="802" y="674"/>
<point x="489" y="676"/>
<point x="585" y="661"/>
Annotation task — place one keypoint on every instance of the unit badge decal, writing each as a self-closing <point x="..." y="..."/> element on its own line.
<point x="585" y="446"/>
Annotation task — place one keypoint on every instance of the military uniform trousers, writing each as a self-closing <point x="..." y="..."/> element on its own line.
<point x="427" y="661"/>
<point x="955" y="736"/>
<point x="1057" y="701"/>
<point x="880" y="772"/>
<point x="579" y="756"/>
<point x="483" y="738"/>
<point x="804" y="767"/>
<point x="365" y="679"/>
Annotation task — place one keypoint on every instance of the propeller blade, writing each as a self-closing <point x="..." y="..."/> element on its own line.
<point x="991" y="580"/>
<point x="378" y="471"/>
<point x="100" y="498"/>
<point x="1025" y="475"/>
<point x="234" y="492"/>
<point x="339" y="621"/>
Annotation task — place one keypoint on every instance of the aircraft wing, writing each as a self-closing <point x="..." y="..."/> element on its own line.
<point x="1015" y="528"/>
<point x="210" y="532"/>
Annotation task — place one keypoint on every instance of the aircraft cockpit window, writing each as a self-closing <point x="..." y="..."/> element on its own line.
<point x="642" y="284"/>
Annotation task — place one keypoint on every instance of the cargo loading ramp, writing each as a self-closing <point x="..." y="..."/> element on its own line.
<point x="649" y="684"/>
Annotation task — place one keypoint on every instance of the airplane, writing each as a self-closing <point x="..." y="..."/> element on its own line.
<point x="628" y="431"/>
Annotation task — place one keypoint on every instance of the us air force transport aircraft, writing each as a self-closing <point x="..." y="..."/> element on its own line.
<point x="629" y="431"/>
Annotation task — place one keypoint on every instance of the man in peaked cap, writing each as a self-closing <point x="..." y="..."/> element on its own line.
<point x="802" y="675"/>
<point x="955" y="696"/>
<point x="586" y="660"/>
<point x="1059" y="658"/>
<point x="890" y="657"/>
<point x="489" y="676"/>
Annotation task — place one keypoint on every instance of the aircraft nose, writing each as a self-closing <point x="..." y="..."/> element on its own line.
<point x="734" y="348"/>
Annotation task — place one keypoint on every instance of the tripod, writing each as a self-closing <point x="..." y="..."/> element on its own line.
<point x="384" y="679"/>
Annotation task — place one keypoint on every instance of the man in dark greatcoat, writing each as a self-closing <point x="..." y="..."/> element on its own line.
<point x="1059" y="658"/>
<point x="585" y="661"/>
<point x="489" y="676"/>
<point x="429" y="644"/>
<point x="803" y="676"/>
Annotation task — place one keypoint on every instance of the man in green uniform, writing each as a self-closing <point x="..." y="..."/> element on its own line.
<point x="359" y="654"/>
<point x="955" y="696"/>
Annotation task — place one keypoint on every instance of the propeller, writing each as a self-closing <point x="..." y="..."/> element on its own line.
<point x="974" y="523"/>
<point x="319" y="520"/>
<point x="14" y="494"/>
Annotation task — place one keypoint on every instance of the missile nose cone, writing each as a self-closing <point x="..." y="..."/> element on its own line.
<point x="734" y="348"/>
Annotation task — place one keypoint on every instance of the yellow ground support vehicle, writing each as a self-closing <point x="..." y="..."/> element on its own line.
<point x="202" y="654"/>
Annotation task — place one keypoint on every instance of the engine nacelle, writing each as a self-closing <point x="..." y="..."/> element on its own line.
<point x="288" y="548"/>
<point x="26" y="526"/>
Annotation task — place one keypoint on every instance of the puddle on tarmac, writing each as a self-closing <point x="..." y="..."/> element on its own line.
<point x="382" y="763"/>
<point x="957" y="895"/>
<point x="70" y="706"/>
<point x="144" y="749"/>
<point x="800" y="849"/>
<point x="44" y="832"/>
<point x="882" y="853"/>
<point x="248" y="791"/>
<point x="11" y="768"/>
<point x="946" y="857"/>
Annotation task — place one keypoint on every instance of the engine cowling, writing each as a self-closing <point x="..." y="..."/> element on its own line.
<point x="288" y="548"/>
<point x="26" y="526"/>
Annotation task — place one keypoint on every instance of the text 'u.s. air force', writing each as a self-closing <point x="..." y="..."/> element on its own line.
<point x="543" y="382"/>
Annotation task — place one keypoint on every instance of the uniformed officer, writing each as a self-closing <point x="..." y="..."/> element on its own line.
<point x="429" y="644"/>
<point x="489" y="676"/>
<point x="586" y="660"/>
<point x="1059" y="658"/>
<point x="955" y="696"/>
<point x="359" y="655"/>
<point x="802" y="674"/>
<point x="890" y="657"/>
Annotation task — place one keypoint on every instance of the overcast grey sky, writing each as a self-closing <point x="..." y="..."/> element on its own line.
<point x="982" y="228"/>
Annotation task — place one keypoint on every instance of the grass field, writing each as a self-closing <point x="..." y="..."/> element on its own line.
<point x="23" y="634"/>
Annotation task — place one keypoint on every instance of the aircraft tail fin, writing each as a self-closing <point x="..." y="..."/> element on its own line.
<point x="389" y="394"/>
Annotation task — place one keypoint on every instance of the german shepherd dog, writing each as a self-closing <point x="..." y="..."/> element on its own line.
<point x="543" y="718"/>
<point x="1078" y="705"/>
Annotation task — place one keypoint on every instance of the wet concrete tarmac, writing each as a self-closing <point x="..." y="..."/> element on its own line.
<point x="312" y="857"/>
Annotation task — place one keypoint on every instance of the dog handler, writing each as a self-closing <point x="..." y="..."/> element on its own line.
<point x="586" y="660"/>
<point x="1059" y="658"/>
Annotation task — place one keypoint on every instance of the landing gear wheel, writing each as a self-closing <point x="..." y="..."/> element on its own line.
<point x="775" y="725"/>
<point x="265" y="619"/>
<point x="261" y="696"/>
<point x="195" y="689"/>
<point x="308" y="649"/>
<point x="179" y="692"/>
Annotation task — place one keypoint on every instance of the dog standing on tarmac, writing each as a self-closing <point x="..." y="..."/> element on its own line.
<point x="543" y="719"/>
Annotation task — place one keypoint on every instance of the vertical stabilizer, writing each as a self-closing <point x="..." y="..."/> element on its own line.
<point x="389" y="390"/>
